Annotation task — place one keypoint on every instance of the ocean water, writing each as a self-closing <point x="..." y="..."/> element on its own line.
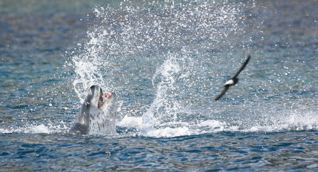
<point x="166" y="61"/>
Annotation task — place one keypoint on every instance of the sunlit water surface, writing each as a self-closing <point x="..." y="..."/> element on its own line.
<point x="166" y="61"/>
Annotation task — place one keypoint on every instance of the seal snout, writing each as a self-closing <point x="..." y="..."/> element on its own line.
<point x="108" y="95"/>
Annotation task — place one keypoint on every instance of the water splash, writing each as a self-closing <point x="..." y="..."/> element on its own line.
<point x="165" y="60"/>
<point x="121" y="36"/>
<point x="164" y="43"/>
<point x="165" y="105"/>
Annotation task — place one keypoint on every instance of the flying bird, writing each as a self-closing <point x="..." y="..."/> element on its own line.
<point x="234" y="80"/>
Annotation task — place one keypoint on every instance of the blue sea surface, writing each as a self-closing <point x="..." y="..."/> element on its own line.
<point x="166" y="61"/>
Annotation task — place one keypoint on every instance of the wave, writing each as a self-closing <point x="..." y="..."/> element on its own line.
<point x="291" y="122"/>
<point x="37" y="129"/>
<point x="134" y="126"/>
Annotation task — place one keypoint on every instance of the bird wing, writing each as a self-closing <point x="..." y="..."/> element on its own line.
<point x="222" y="93"/>
<point x="243" y="66"/>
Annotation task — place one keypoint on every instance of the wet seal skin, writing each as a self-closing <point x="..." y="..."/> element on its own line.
<point x="95" y="102"/>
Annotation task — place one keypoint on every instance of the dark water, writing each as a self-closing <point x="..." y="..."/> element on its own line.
<point x="166" y="61"/>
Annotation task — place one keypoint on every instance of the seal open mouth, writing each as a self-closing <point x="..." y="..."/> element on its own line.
<point x="104" y="99"/>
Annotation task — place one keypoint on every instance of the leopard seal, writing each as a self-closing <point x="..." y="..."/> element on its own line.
<point x="94" y="107"/>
